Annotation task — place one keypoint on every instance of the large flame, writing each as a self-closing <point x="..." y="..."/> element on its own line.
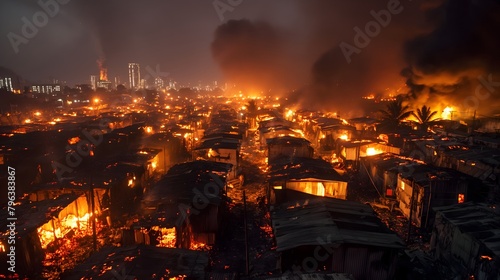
<point x="103" y="72"/>
<point x="167" y="238"/>
<point x="447" y="113"/>
<point x="373" y="151"/>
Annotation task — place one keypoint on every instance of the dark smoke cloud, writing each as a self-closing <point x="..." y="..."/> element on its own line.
<point x="305" y="53"/>
<point x="251" y="54"/>
<point x="446" y="63"/>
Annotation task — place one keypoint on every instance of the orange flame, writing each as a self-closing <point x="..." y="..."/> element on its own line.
<point x="103" y="72"/>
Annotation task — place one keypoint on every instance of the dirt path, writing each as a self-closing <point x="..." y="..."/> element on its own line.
<point x="228" y="254"/>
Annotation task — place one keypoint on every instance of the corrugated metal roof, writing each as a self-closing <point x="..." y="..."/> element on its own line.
<point x="141" y="262"/>
<point x="331" y="221"/>
<point x="31" y="215"/>
<point x="314" y="276"/>
<point x="478" y="220"/>
<point x="299" y="168"/>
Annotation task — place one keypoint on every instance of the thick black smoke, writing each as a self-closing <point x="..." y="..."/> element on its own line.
<point x="305" y="52"/>
<point x="251" y="54"/>
<point x="458" y="62"/>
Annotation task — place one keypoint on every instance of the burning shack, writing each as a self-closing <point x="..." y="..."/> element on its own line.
<point x="221" y="149"/>
<point x="190" y="201"/>
<point x="383" y="170"/>
<point x="336" y="236"/>
<point x="142" y="262"/>
<point x="466" y="236"/>
<point x="40" y="223"/>
<point x="353" y="151"/>
<point x="331" y="131"/>
<point x="288" y="146"/>
<point x="423" y="187"/>
<point x="289" y="180"/>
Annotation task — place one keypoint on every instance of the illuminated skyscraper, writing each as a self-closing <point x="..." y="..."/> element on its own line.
<point x="93" y="81"/>
<point x="159" y="83"/>
<point x="134" y="75"/>
<point x="6" y="83"/>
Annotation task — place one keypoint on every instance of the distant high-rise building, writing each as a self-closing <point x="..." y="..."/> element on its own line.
<point x="47" y="89"/>
<point x="172" y="85"/>
<point x="6" y="83"/>
<point x="143" y="84"/>
<point x="117" y="81"/>
<point x="134" y="75"/>
<point x="104" y="84"/>
<point x="93" y="82"/>
<point x="159" y="83"/>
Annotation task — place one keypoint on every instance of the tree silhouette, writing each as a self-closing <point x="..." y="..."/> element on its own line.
<point x="424" y="116"/>
<point x="395" y="113"/>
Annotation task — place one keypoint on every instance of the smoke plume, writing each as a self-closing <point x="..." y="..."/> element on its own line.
<point x="457" y="63"/>
<point x="304" y="56"/>
<point x="251" y="54"/>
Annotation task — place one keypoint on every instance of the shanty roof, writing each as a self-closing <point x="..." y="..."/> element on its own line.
<point x="485" y="155"/>
<point x="313" y="276"/>
<point x="356" y="143"/>
<point x="183" y="182"/>
<point x="303" y="168"/>
<point x="220" y="143"/>
<point x="365" y="120"/>
<point x="32" y="215"/>
<point x="477" y="220"/>
<point x="186" y="187"/>
<point x="274" y="122"/>
<point x="264" y="130"/>
<point x="325" y="122"/>
<point x="422" y="173"/>
<point x="198" y="166"/>
<point x="328" y="127"/>
<point x="386" y="160"/>
<point x="222" y="135"/>
<point x="329" y="221"/>
<point x="141" y="262"/>
<point x="287" y="140"/>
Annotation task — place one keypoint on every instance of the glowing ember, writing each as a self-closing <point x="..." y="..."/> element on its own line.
<point x="199" y="246"/>
<point x="74" y="140"/>
<point x="344" y="137"/>
<point x="48" y="234"/>
<point x="167" y="238"/>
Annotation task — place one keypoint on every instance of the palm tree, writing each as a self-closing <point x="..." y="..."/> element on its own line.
<point x="395" y="113"/>
<point x="424" y="116"/>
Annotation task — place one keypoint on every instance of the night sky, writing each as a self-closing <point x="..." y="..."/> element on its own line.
<point x="434" y="47"/>
<point x="177" y="35"/>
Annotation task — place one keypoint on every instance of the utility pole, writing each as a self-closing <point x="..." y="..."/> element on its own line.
<point x="412" y="201"/>
<point x="246" y="234"/>
<point x="94" y="230"/>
